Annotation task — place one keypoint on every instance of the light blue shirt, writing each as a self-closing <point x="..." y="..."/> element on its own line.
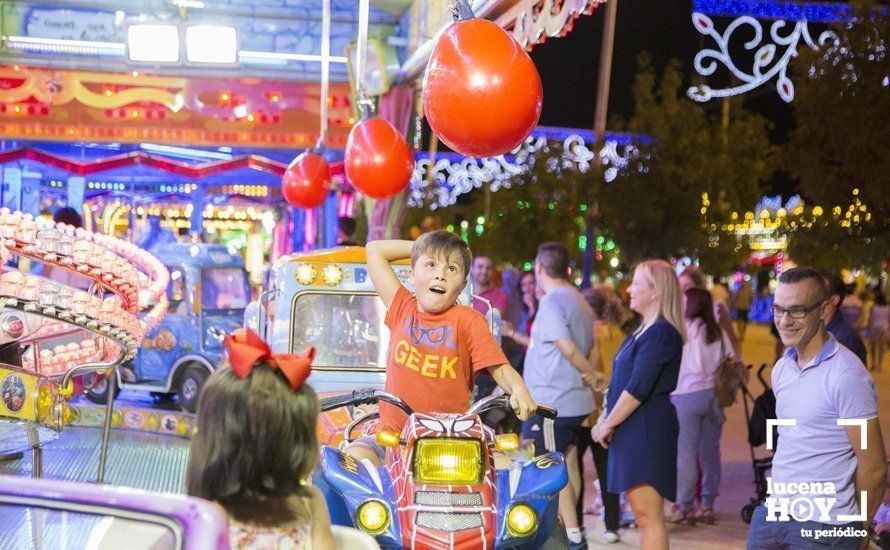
<point x="550" y="377"/>
<point x="834" y="385"/>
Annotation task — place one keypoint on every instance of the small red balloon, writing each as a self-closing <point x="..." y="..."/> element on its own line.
<point x="307" y="181"/>
<point x="378" y="161"/>
<point x="481" y="91"/>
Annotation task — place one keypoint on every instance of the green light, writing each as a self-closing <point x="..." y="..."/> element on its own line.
<point x="582" y="242"/>
<point x="527" y="266"/>
<point x="450" y="228"/>
<point x="583" y="208"/>
<point x="479" y="229"/>
<point x="551" y="206"/>
<point x="480" y="220"/>
<point x="610" y="245"/>
<point x="600" y="240"/>
<point x="528" y="204"/>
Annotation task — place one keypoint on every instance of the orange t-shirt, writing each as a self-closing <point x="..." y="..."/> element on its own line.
<point x="433" y="358"/>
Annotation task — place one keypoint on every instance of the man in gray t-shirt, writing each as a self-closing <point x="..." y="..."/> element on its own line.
<point x="557" y="370"/>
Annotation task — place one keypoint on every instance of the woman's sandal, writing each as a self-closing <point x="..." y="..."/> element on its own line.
<point x="707" y="516"/>
<point x="682" y="516"/>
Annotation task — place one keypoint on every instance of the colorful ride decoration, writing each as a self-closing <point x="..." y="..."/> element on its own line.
<point x="64" y="330"/>
<point x="172" y="423"/>
<point x="482" y="94"/>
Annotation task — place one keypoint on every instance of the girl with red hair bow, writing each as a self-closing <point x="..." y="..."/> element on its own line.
<point x="256" y="442"/>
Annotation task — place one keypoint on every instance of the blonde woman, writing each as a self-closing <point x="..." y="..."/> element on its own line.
<point x="640" y="424"/>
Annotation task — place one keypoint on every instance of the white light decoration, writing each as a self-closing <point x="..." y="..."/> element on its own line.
<point x="54" y="45"/>
<point x="452" y="178"/>
<point x="153" y="43"/>
<point x="211" y="44"/>
<point x="770" y="61"/>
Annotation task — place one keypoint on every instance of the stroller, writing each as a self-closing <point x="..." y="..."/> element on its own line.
<point x="757" y="411"/>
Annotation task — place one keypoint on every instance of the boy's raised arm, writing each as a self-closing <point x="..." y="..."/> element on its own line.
<point x="379" y="255"/>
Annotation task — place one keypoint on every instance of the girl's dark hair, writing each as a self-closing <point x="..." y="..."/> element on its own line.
<point x="699" y="305"/>
<point x="517" y="288"/>
<point x="68" y="215"/>
<point x="255" y="438"/>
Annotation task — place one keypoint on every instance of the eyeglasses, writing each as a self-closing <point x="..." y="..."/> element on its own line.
<point x="794" y="312"/>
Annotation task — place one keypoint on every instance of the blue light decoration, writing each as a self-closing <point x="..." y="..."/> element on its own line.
<point x="821" y="12"/>
<point x="789" y="27"/>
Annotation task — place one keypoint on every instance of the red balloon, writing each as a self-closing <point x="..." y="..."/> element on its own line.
<point x="378" y="161"/>
<point x="307" y="181"/>
<point x="481" y="92"/>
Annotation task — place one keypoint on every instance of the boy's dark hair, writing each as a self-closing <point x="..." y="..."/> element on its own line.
<point x="68" y="215"/>
<point x="700" y="305"/>
<point x="255" y="438"/>
<point x="442" y="243"/>
<point x="554" y="260"/>
<point x="799" y="274"/>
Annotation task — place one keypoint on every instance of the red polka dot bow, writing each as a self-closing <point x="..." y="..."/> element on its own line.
<point x="246" y="349"/>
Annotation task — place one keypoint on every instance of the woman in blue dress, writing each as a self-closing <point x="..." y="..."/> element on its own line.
<point x="640" y="424"/>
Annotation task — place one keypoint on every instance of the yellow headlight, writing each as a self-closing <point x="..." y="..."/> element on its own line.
<point x="448" y="461"/>
<point x="521" y="520"/>
<point x="373" y="517"/>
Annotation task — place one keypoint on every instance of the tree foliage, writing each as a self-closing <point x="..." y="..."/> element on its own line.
<point x="839" y="142"/>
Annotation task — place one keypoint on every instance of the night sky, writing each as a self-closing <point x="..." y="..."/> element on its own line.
<point x="569" y="66"/>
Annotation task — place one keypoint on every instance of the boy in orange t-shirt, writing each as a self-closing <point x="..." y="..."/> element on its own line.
<point x="436" y="347"/>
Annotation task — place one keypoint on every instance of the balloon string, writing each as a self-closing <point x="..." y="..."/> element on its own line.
<point x="362" y="50"/>
<point x="325" y="70"/>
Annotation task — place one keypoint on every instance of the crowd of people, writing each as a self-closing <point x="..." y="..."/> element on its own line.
<point x="651" y="413"/>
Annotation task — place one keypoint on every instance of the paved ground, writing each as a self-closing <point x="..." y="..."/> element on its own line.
<point x="736" y="487"/>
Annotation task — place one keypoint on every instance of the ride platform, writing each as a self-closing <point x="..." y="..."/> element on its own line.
<point x="147" y="449"/>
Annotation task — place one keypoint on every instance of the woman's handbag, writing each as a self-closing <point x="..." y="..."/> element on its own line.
<point x="729" y="378"/>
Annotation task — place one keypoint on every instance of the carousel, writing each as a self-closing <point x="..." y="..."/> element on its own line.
<point x="86" y="320"/>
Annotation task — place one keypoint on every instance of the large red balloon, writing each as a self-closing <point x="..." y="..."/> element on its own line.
<point x="378" y="161"/>
<point x="481" y="92"/>
<point x="307" y="181"/>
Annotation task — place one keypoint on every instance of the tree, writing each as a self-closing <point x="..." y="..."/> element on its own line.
<point x="701" y="167"/>
<point x="839" y="142"/>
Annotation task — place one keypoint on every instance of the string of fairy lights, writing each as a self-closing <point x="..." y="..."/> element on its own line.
<point x="770" y="229"/>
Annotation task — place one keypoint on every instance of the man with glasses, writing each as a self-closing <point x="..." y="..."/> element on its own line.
<point x="817" y="384"/>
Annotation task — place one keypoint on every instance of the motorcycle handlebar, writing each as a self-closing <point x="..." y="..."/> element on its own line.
<point x="363" y="397"/>
<point x="503" y="402"/>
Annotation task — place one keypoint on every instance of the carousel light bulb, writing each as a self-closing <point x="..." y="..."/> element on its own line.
<point x="331" y="275"/>
<point x="306" y="274"/>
